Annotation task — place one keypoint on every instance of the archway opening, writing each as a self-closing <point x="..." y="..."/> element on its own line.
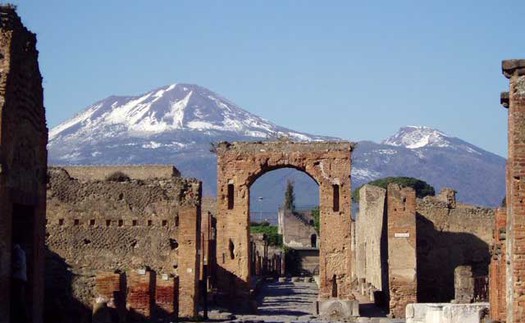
<point x="283" y="218"/>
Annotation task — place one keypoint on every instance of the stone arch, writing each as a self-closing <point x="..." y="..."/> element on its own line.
<point x="241" y="164"/>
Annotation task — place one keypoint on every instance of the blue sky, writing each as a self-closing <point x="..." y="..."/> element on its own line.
<point x="352" y="69"/>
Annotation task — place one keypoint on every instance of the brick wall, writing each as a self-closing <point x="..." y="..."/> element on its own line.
<point x="23" y="160"/>
<point x="515" y="71"/>
<point x="497" y="278"/>
<point x="240" y="164"/>
<point x="450" y="234"/>
<point x="91" y="173"/>
<point x="401" y="222"/>
<point x="101" y="226"/>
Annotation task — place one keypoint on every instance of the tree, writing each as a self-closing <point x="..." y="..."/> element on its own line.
<point x="421" y="187"/>
<point x="316" y="217"/>
<point x="289" y="196"/>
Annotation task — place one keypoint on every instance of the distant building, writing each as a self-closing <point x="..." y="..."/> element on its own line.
<point x="297" y="228"/>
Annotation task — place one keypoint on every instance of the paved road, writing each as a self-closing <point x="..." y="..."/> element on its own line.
<point x="294" y="303"/>
<point x="284" y="302"/>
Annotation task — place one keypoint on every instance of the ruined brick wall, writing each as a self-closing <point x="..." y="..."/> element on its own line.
<point x="240" y="164"/>
<point x="92" y="173"/>
<point x="104" y="226"/>
<point x="23" y="160"/>
<point x="497" y="269"/>
<point x="297" y="229"/>
<point x="450" y="235"/>
<point x="402" y="265"/>
<point x="515" y="71"/>
<point x="370" y="229"/>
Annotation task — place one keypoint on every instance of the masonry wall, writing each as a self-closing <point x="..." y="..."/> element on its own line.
<point x="297" y="229"/>
<point x="371" y="246"/>
<point x="402" y="248"/>
<point x="450" y="234"/>
<point x="240" y="164"/>
<point x="104" y="226"/>
<point x="92" y="173"/>
<point x="497" y="269"/>
<point x="515" y="71"/>
<point x="23" y="162"/>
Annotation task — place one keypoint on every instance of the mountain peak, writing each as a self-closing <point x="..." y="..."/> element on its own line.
<point x="413" y="137"/>
<point x="170" y="108"/>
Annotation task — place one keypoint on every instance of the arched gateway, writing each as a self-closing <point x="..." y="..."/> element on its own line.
<point x="240" y="164"/>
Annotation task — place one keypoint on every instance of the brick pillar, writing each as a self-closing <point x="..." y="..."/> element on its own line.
<point x="106" y="284"/>
<point x="401" y="206"/>
<point x="139" y="294"/>
<point x="463" y="285"/>
<point x="497" y="277"/>
<point x="515" y="71"/>
<point x="165" y="296"/>
<point x="189" y="237"/>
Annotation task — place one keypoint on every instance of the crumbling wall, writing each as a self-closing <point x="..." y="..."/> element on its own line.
<point x="514" y="70"/>
<point x="92" y="173"/>
<point x="240" y="164"/>
<point x="402" y="246"/>
<point x="450" y="234"/>
<point x="106" y="226"/>
<point x="23" y="162"/>
<point x="298" y="229"/>
<point x="371" y="250"/>
<point x="497" y="270"/>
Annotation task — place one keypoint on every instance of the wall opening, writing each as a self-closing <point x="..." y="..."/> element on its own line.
<point x="274" y="225"/>
<point x="230" y="196"/>
<point x="336" y="197"/>
<point x="22" y="260"/>
<point x="313" y="240"/>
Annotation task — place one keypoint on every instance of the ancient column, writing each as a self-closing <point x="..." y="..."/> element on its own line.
<point x="514" y="70"/>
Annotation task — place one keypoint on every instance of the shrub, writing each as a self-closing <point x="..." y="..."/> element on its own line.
<point x="421" y="187"/>
<point x="118" y="176"/>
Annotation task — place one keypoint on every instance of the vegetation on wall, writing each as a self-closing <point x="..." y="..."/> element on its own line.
<point x="273" y="238"/>
<point x="118" y="176"/>
<point x="421" y="187"/>
<point x="316" y="216"/>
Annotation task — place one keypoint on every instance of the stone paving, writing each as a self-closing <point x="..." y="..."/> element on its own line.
<point x="293" y="302"/>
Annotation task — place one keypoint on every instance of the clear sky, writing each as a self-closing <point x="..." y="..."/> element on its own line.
<point x="352" y="69"/>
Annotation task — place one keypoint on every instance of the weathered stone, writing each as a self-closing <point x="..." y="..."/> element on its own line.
<point x="23" y="163"/>
<point x="240" y="164"/>
<point x="336" y="309"/>
<point x="98" y="226"/>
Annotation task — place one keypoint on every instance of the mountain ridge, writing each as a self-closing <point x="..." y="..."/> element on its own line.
<point x="176" y="123"/>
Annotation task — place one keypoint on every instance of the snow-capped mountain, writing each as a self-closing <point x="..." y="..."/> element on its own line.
<point x="176" y="107"/>
<point x="177" y="123"/>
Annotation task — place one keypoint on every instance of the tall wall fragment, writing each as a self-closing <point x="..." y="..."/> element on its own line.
<point x="514" y="70"/>
<point x="23" y="163"/>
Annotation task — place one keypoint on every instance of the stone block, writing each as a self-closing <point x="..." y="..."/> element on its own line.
<point x="337" y="309"/>
<point x="446" y="313"/>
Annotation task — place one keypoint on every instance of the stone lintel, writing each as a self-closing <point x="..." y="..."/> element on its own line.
<point x="511" y="66"/>
<point x="283" y="146"/>
<point x="504" y="99"/>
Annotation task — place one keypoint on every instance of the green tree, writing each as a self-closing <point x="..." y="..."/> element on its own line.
<point x="289" y="196"/>
<point x="421" y="187"/>
<point x="316" y="217"/>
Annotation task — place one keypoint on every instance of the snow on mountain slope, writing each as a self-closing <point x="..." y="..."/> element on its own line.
<point x="171" y="108"/>
<point x="175" y="125"/>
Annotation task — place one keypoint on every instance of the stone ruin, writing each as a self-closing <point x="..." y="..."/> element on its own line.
<point x="329" y="165"/>
<point x="507" y="291"/>
<point x="106" y="237"/>
<point x="100" y="234"/>
<point x="23" y="163"/>
<point x="430" y="250"/>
